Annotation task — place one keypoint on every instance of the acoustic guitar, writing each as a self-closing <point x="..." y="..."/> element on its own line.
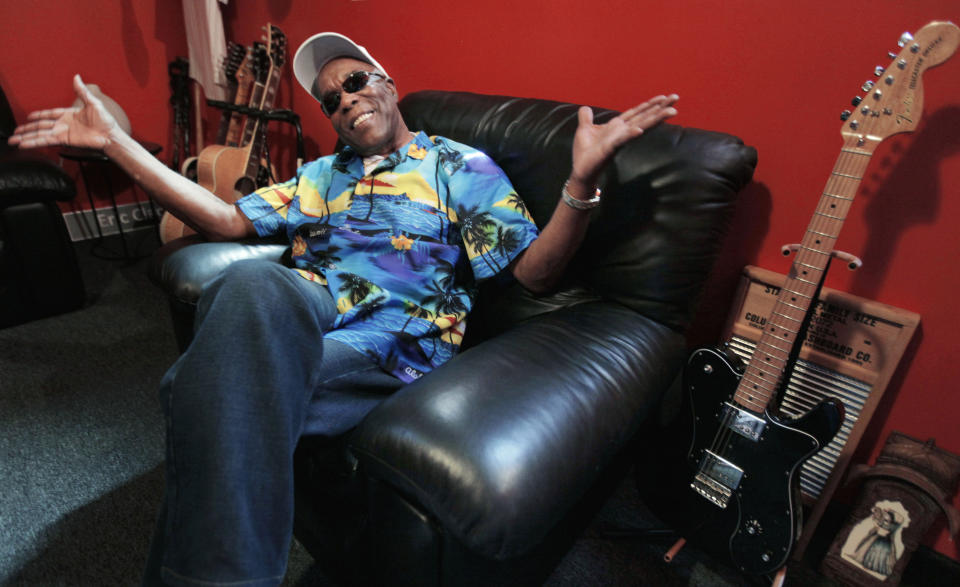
<point x="236" y="70"/>
<point x="231" y="171"/>
<point x="743" y="466"/>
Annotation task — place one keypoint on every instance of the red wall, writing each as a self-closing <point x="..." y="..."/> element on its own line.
<point x="776" y="74"/>
<point x="122" y="46"/>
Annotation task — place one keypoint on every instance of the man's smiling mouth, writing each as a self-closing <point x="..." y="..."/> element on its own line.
<point x="361" y="119"/>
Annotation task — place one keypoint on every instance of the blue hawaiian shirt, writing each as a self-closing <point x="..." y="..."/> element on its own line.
<point x="400" y="249"/>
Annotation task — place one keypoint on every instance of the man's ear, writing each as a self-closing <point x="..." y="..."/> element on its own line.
<point x="393" y="86"/>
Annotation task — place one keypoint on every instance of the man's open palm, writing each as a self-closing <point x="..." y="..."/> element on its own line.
<point x="595" y="144"/>
<point x="88" y="125"/>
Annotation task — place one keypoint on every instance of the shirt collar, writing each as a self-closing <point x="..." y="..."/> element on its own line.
<point x="350" y="162"/>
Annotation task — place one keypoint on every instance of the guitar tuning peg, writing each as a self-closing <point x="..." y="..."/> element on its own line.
<point x="856" y="100"/>
<point x="891" y="55"/>
<point x="904" y="39"/>
<point x="878" y="70"/>
<point x="845" y="115"/>
<point x="867" y="85"/>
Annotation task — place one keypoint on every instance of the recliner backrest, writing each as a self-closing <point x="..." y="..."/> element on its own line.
<point x="667" y="199"/>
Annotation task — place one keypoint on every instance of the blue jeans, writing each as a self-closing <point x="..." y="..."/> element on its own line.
<point x="257" y="375"/>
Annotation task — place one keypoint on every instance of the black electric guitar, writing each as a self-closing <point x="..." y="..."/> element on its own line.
<point x="743" y="466"/>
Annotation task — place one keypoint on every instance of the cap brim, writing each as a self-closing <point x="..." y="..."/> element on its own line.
<point x="320" y="49"/>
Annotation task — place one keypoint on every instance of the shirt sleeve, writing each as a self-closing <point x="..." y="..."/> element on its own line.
<point x="267" y="208"/>
<point x="494" y="222"/>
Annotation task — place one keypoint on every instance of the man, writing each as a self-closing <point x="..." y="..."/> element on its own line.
<point x="388" y="239"/>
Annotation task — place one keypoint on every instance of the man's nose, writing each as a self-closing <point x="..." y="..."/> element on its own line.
<point x="347" y="101"/>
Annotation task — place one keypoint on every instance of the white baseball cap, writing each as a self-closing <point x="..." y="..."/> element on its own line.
<point x="322" y="48"/>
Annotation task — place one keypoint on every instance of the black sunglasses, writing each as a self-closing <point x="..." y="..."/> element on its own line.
<point x="354" y="82"/>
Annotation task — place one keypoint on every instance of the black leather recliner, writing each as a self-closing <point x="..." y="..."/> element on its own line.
<point x="39" y="274"/>
<point x="484" y="470"/>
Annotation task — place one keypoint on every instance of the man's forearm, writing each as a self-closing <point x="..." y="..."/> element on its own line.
<point x="194" y="205"/>
<point x="541" y="266"/>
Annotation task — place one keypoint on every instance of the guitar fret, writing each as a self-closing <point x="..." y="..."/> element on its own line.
<point x="759" y="387"/>
<point x="837" y="173"/>
<point x="838" y="196"/>
<point x="802" y="295"/>
<point x="801" y="308"/>
<point x="856" y="152"/>
<point x="814" y="267"/>
<point x="755" y="405"/>
<point x="774" y="357"/>
<point x="815" y="250"/>
<point x="821" y="233"/>
<point x="782" y="327"/>
<point x="775" y="346"/>
<point x="787" y="317"/>
<point x="805" y="280"/>
<point x="830" y="216"/>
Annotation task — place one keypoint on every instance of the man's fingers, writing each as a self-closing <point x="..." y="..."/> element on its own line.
<point x="81" y="90"/>
<point x="653" y="105"/>
<point x="585" y="115"/>
<point x="51" y="114"/>
<point x="34" y="127"/>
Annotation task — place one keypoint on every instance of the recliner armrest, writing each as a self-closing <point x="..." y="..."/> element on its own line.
<point x="183" y="267"/>
<point x="494" y="443"/>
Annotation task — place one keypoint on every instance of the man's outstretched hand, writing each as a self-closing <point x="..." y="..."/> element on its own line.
<point x="595" y="144"/>
<point x="88" y="125"/>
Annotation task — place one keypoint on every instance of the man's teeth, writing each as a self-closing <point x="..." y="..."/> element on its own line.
<point x="361" y="119"/>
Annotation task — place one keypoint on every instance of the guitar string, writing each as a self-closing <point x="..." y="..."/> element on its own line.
<point x="849" y="167"/>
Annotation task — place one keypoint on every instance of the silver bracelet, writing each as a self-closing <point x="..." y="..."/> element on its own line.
<point x="580" y="204"/>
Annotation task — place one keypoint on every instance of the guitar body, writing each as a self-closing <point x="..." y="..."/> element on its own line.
<point x="221" y="170"/>
<point x="757" y="474"/>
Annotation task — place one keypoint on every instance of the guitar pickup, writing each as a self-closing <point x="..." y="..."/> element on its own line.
<point x="742" y="422"/>
<point x="716" y="479"/>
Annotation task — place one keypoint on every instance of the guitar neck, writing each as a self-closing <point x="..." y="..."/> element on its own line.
<point x="225" y="115"/>
<point x="767" y="367"/>
<point x="232" y="136"/>
<point x="258" y="127"/>
<point x="256" y="100"/>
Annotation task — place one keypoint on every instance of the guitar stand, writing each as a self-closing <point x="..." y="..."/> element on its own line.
<point x="288" y="116"/>
<point x="668" y="557"/>
<point x="853" y="262"/>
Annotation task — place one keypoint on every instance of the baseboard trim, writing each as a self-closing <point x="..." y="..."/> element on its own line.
<point x="132" y="217"/>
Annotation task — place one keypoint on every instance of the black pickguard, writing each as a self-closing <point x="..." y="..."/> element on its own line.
<point x="758" y="527"/>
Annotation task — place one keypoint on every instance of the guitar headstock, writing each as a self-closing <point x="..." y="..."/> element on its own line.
<point x="232" y="61"/>
<point x="261" y="62"/>
<point x="894" y="103"/>
<point x="245" y="69"/>
<point x="277" y="44"/>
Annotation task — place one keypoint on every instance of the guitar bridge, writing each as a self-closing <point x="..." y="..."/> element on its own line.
<point x="716" y="479"/>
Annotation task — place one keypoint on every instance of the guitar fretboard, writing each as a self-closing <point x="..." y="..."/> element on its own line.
<point x="766" y="369"/>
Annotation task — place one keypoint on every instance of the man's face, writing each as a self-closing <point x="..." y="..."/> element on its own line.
<point x="368" y="120"/>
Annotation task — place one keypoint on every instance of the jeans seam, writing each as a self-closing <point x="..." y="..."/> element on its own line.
<point x="177" y="575"/>
<point x="371" y="366"/>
